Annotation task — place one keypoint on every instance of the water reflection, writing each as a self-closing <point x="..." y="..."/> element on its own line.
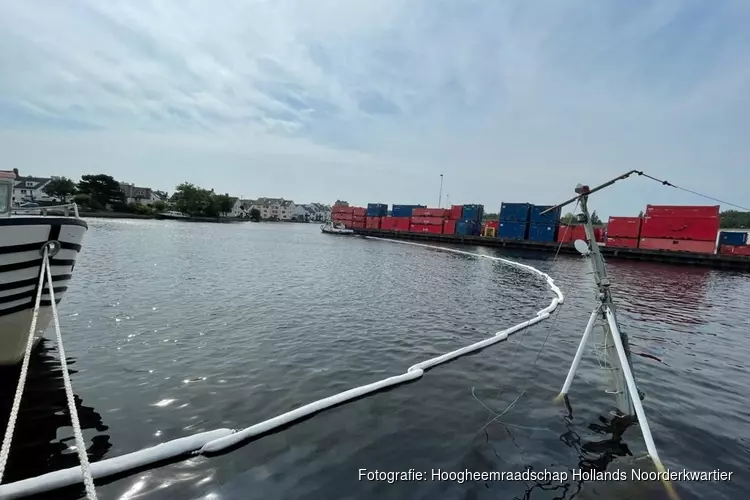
<point x="43" y="440"/>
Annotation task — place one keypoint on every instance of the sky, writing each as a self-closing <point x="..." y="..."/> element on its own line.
<point x="371" y="102"/>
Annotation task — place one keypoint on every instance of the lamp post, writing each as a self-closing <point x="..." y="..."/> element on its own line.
<point x="440" y="196"/>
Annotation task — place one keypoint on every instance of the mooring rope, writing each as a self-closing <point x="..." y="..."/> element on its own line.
<point x="222" y="439"/>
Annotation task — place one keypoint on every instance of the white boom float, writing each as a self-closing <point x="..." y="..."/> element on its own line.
<point x="622" y="382"/>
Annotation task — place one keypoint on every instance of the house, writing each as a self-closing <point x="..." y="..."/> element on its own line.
<point x="310" y="212"/>
<point x="274" y="208"/>
<point x="30" y="188"/>
<point x="138" y="195"/>
<point x="242" y="208"/>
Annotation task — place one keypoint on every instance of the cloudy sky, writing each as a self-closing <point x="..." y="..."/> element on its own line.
<point x="370" y="101"/>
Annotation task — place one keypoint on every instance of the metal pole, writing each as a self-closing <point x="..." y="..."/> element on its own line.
<point x="579" y="352"/>
<point x="440" y="196"/>
<point x="619" y="385"/>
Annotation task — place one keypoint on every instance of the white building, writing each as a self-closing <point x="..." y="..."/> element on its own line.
<point x="312" y="212"/>
<point x="138" y="195"/>
<point x="29" y="188"/>
<point x="274" y="208"/>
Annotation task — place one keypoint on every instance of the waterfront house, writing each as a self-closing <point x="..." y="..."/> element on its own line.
<point x="274" y="208"/>
<point x="312" y="212"/>
<point x="29" y="188"/>
<point x="138" y="195"/>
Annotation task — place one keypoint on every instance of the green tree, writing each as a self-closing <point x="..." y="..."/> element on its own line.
<point x="255" y="215"/>
<point x="569" y="219"/>
<point x="734" y="219"/>
<point x="102" y="189"/>
<point x="595" y="220"/>
<point x="61" y="188"/>
<point x="225" y="202"/>
<point x="192" y="200"/>
<point x="86" y="201"/>
<point x="160" y="205"/>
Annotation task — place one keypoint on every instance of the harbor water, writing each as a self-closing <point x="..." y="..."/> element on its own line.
<point x="175" y="328"/>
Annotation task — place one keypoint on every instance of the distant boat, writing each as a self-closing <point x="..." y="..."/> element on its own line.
<point x="24" y="233"/>
<point x="335" y="228"/>
<point x="172" y="215"/>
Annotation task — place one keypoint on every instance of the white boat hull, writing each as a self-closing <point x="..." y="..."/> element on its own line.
<point x="21" y="239"/>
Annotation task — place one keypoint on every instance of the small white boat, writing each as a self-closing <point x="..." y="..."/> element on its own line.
<point x="22" y="240"/>
<point x="335" y="228"/>
<point x="172" y="214"/>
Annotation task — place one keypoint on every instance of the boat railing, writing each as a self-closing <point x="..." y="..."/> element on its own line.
<point x="66" y="209"/>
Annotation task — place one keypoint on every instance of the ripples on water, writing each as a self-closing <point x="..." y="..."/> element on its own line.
<point x="179" y="328"/>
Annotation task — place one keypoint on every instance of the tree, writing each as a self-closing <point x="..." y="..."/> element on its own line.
<point x="569" y="219"/>
<point x="192" y="200"/>
<point x="342" y="203"/>
<point x="160" y="205"/>
<point x="255" y="215"/>
<point x="61" y="188"/>
<point x="595" y="220"/>
<point x="102" y="189"/>
<point x="226" y="203"/>
<point x="734" y="219"/>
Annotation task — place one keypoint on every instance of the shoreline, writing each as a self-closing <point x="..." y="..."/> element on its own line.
<point x="216" y="220"/>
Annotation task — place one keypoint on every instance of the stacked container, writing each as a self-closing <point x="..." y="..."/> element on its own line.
<point x="400" y="224"/>
<point x="373" y="222"/>
<point x="680" y="228"/>
<point x="570" y="233"/>
<point x="470" y="223"/>
<point x="377" y="210"/>
<point x="343" y="214"/>
<point x="543" y="228"/>
<point x="734" y="243"/>
<point x="404" y="210"/>
<point x="514" y="221"/>
<point x="624" y="232"/>
<point x="456" y="212"/>
<point x="428" y="220"/>
<point x="359" y="217"/>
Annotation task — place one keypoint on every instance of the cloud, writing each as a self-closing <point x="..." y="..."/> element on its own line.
<point x="370" y="101"/>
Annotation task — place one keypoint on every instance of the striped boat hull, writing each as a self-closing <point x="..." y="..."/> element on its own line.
<point x="21" y="239"/>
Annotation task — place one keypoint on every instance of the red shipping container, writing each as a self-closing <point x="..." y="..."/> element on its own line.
<point x="430" y="212"/>
<point x="359" y="211"/>
<point x="677" y="245"/>
<point x="401" y="224"/>
<point x="599" y="234"/>
<point x="492" y="223"/>
<point x="735" y="250"/>
<point x="624" y="227"/>
<point x="342" y="209"/>
<point x="568" y="234"/>
<point x="689" y="211"/>
<point x="455" y="212"/>
<point x="681" y="228"/>
<point x="358" y="224"/>
<point x="426" y="228"/>
<point x="341" y="216"/>
<point x="372" y="223"/>
<point x="449" y="227"/>
<point x="622" y="242"/>
<point x="427" y="221"/>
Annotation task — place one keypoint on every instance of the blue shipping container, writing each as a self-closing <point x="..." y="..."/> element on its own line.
<point x="543" y="232"/>
<point x="377" y="210"/>
<point x="404" y="210"/>
<point x="552" y="217"/>
<point x="512" y="230"/>
<point x="468" y="228"/>
<point x="473" y="212"/>
<point x="732" y="238"/>
<point x="515" y="212"/>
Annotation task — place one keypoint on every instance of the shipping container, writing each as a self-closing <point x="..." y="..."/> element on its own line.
<point x="387" y="223"/>
<point x="430" y="212"/>
<point x="734" y="238"/>
<point x="492" y="223"/>
<point x="512" y="230"/>
<point x="468" y="228"/>
<point x="449" y="226"/>
<point x="426" y="228"/>
<point x="404" y="210"/>
<point x="401" y="224"/>
<point x="688" y="211"/>
<point x="472" y="212"/>
<point x="624" y="227"/>
<point x="456" y="212"/>
<point x="433" y="221"/>
<point x="342" y="209"/>
<point x="360" y="211"/>
<point x="680" y="228"/>
<point x="742" y="250"/>
<point x="377" y="210"/>
<point x="358" y="224"/>
<point x="341" y="216"/>
<point x="675" y="245"/>
<point x="543" y="232"/>
<point x="515" y="212"/>
<point x="536" y="217"/>
<point x="622" y="242"/>
<point x="373" y="223"/>
<point x="599" y="234"/>
<point x="359" y="218"/>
